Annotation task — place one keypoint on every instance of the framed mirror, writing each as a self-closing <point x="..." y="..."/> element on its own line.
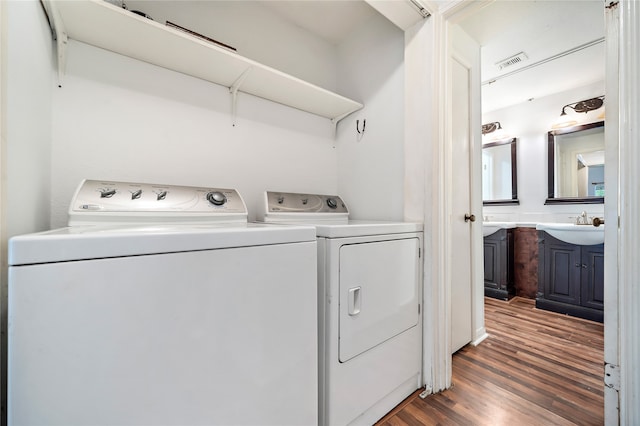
<point x="499" y="173"/>
<point x="576" y="165"/>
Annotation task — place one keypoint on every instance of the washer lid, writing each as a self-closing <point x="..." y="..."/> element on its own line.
<point x="95" y="242"/>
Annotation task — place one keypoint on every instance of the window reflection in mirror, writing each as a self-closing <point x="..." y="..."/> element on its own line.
<point x="576" y="164"/>
<point x="499" y="173"/>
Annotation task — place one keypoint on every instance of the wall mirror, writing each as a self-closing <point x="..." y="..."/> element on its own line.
<point x="499" y="173"/>
<point x="576" y="164"/>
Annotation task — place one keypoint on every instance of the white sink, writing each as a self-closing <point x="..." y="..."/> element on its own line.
<point x="489" y="228"/>
<point x="584" y="235"/>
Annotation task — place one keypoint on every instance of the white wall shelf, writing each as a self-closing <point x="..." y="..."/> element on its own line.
<point x="109" y="27"/>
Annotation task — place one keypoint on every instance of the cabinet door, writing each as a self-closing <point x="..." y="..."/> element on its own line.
<point x="498" y="264"/>
<point x="562" y="273"/>
<point x="593" y="276"/>
<point x="491" y="263"/>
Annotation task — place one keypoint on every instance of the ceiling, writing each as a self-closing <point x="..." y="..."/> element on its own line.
<point x="551" y="34"/>
<point x="545" y="30"/>
<point x="332" y="20"/>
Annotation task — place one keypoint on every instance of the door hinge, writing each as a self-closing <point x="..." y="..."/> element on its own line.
<point x="612" y="376"/>
<point x="419" y="252"/>
<point x="426" y="392"/>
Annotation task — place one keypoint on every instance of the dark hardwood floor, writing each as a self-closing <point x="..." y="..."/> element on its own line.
<point x="535" y="368"/>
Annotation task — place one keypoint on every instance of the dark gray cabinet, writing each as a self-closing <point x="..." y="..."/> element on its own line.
<point x="593" y="277"/>
<point x="570" y="278"/>
<point x="498" y="265"/>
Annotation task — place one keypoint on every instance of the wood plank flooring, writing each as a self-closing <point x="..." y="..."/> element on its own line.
<point x="535" y="368"/>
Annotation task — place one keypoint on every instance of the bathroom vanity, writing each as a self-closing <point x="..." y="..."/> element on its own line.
<point x="571" y="270"/>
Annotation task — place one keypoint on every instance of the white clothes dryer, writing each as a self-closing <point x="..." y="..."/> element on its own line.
<point x="369" y="306"/>
<point x="161" y="305"/>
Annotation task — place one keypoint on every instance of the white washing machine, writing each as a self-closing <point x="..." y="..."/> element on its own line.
<point x="369" y="306"/>
<point x="161" y="305"/>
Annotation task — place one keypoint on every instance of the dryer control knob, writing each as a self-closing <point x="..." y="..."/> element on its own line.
<point x="332" y="203"/>
<point x="216" y="198"/>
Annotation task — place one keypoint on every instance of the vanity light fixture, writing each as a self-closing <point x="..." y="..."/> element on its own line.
<point x="493" y="131"/>
<point x="582" y="106"/>
<point x="491" y="127"/>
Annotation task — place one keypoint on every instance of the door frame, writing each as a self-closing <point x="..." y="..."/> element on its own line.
<point x="3" y="206"/>
<point x="622" y="343"/>
<point x="611" y="310"/>
<point x="427" y="135"/>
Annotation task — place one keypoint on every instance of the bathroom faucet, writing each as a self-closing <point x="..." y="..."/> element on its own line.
<point x="582" y="219"/>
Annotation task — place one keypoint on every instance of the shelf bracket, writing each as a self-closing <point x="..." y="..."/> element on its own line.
<point x="62" y="56"/>
<point x="234" y="94"/>
<point x="337" y="119"/>
<point x="60" y="35"/>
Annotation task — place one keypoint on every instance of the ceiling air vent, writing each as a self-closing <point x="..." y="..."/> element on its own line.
<point x="513" y="60"/>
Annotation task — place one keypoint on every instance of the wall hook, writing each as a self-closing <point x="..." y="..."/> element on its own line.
<point x="364" y="123"/>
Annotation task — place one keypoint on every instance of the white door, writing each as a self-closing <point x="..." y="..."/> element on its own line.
<point x="379" y="293"/>
<point x="461" y="203"/>
<point x="466" y="296"/>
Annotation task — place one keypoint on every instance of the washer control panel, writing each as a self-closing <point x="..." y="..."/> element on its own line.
<point x="126" y="201"/>
<point x="290" y="202"/>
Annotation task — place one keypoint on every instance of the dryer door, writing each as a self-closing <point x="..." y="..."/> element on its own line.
<point x="379" y="294"/>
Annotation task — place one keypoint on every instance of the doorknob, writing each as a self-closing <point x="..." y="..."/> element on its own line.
<point x="469" y="217"/>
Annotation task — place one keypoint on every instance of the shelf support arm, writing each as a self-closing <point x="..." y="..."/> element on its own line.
<point x="337" y="119"/>
<point x="62" y="56"/>
<point x="60" y="34"/>
<point x="234" y="94"/>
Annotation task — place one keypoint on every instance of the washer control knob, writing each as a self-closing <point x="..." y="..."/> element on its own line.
<point x="107" y="193"/>
<point x="331" y="202"/>
<point x="216" y="198"/>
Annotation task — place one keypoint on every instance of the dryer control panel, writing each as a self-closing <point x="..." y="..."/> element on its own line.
<point x="98" y="202"/>
<point x="291" y="206"/>
<point x="304" y="203"/>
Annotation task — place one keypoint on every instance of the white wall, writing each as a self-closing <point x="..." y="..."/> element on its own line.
<point x="26" y="78"/>
<point x="121" y="119"/>
<point x="255" y="31"/>
<point x="529" y="122"/>
<point x="28" y="116"/>
<point x="371" y="165"/>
